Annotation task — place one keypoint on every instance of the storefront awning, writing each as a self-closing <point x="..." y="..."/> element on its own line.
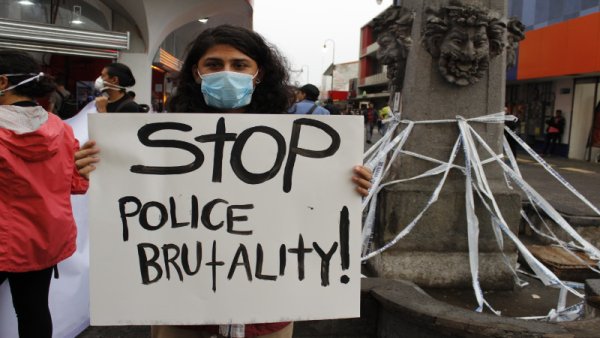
<point x="54" y="39"/>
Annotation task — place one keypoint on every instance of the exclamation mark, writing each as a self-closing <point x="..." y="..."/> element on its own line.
<point x="344" y="242"/>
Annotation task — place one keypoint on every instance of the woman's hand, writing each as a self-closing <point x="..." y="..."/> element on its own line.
<point x="85" y="158"/>
<point x="101" y="104"/>
<point x="362" y="178"/>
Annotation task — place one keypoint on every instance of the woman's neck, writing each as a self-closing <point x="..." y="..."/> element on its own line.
<point x="236" y="111"/>
<point x="10" y="98"/>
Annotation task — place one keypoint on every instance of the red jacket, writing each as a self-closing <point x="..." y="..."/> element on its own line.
<point x="250" y="330"/>
<point x="37" y="177"/>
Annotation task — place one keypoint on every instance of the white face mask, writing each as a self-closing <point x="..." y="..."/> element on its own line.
<point x="32" y="78"/>
<point x="101" y="86"/>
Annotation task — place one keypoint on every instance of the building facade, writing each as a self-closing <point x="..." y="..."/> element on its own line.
<point x="372" y="84"/>
<point x="75" y="39"/>
<point x="337" y="83"/>
<point x="558" y="68"/>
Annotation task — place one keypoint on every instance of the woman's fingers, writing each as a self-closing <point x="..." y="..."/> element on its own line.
<point x="85" y="158"/>
<point x="84" y="162"/>
<point x="363" y="172"/>
<point x="88" y="149"/>
<point x="362" y="179"/>
<point x="85" y="171"/>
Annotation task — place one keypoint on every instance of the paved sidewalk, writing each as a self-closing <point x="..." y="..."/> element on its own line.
<point x="582" y="175"/>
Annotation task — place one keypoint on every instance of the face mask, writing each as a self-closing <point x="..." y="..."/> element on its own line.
<point x="101" y="86"/>
<point x="227" y="90"/>
<point x="34" y="77"/>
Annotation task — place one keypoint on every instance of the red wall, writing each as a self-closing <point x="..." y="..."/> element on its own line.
<point x="566" y="48"/>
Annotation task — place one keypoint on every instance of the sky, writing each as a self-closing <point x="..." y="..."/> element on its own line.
<point x="299" y="29"/>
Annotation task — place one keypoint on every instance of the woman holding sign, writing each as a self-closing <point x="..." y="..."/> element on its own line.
<point x="231" y="70"/>
<point x="37" y="229"/>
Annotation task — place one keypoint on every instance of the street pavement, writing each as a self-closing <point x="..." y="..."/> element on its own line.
<point x="584" y="176"/>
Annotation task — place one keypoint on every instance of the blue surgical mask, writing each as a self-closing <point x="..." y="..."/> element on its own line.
<point x="227" y="90"/>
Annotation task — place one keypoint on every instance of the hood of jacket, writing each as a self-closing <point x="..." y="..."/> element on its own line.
<point x="30" y="132"/>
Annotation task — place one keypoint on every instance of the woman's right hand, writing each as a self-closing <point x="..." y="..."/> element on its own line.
<point x="85" y="158"/>
<point x="101" y="104"/>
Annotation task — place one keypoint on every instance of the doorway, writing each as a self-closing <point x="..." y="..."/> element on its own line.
<point x="585" y="99"/>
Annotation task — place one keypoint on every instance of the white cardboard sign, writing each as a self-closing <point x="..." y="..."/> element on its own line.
<point x="217" y="219"/>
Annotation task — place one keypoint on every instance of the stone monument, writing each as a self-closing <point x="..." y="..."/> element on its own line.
<point x="455" y="56"/>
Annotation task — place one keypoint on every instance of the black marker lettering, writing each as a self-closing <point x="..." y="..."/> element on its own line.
<point x="171" y="260"/>
<point x="207" y="210"/>
<point x="282" y="259"/>
<point x="194" y="212"/>
<point x="300" y="251"/>
<point x="173" y="209"/>
<point x="241" y="251"/>
<point x="214" y="263"/>
<point x="259" y="265"/>
<point x="219" y="138"/>
<point x="185" y="259"/>
<point x="122" y="202"/>
<point x="344" y="243"/>
<point x="144" y="134"/>
<point x="344" y="238"/>
<point x="231" y="219"/>
<point x="325" y="258"/>
<point x="145" y="263"/>
<point x="295" y="150"/>
<point x="236" y="155"/>
<point x="144" y="216"/>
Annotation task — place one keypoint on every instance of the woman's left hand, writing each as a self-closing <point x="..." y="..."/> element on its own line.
<point x="362" y="178"/>
<point x="86" y="157"/>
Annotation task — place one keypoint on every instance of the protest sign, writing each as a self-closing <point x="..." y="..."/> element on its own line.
<point x="216" y="219"/>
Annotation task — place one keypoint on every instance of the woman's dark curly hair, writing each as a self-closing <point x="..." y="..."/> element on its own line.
<point x="271" y="96"/>
<point x="17" y="62"/>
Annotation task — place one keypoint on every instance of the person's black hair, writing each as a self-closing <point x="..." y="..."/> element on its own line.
<point x="121" y="71"/>
<point x="17" y="62"/>
<point x="131" y="94"/>
<point x="271" y="96"/>
<point x="311" y="92"/>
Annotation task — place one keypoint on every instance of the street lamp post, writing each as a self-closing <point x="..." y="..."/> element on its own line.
<point x="332" y="57"/>
<point x="307" y="70"/>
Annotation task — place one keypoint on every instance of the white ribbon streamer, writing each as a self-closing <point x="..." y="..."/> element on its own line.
<point x="476" y="180"/>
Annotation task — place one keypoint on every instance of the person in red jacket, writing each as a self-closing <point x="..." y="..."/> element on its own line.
<point x="37" y="177"/>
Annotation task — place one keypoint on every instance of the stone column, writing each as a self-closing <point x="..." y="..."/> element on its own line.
<point x="435" y="253"/>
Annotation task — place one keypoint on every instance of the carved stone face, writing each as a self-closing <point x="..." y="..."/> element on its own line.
<point x="464" y="54"/>
<point x="463" y="39"/>
<point x="389" y="49"/>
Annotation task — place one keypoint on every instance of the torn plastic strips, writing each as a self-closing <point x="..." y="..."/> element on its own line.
<point x="480" y="184"/>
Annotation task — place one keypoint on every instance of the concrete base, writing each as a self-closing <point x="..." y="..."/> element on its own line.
<point x="445" y="270"/>
<point x="401" y="309"/>
<point x="436" y="252"/>
<point x="586" y="226"/>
